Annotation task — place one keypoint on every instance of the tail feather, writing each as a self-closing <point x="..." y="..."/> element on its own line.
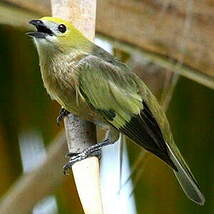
<point x="186" y="179"/>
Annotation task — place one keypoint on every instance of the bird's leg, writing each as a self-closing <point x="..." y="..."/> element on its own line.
<point x="63" y="113"/>
<point x="94" y="150"/>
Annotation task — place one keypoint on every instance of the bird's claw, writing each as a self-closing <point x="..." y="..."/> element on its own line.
<point x="63" y="113"/>
<point x="78" y="157"/>
<point x="92" y="151"/>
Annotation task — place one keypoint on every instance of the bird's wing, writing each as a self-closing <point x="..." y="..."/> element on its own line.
<point x="128" y="105"/>
<point x="183" y="172"/>
<point x="115" y="93"/>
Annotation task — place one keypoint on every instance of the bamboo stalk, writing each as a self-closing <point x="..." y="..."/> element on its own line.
<point x="81" y="134"/>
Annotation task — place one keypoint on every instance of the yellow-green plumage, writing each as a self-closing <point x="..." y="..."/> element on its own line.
<point x="89" y="82"/>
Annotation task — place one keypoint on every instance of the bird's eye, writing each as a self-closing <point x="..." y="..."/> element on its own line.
<point x="62" y="28"/>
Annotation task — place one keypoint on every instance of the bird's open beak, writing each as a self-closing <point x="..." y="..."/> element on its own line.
<point x="42" y="30"/>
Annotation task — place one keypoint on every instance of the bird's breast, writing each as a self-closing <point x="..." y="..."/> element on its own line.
<point x="62" y="86"/>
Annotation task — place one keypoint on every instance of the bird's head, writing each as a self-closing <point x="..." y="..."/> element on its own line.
<point x="55" y="33"/>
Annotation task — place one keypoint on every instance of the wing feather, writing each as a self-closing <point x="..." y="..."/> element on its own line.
<point x="124" y="98"/>
<point x="127" y="104"/>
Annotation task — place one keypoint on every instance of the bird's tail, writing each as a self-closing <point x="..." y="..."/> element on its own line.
<point x="185" y="178"/>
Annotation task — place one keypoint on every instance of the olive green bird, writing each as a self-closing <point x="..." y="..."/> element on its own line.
<point x="89" y="82"/>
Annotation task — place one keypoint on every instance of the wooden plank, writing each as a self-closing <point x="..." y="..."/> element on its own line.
<point x="181" y="32"/>
<point x="179" y="29"/>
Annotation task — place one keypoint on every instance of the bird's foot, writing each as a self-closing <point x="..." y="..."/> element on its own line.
<point x="63" y="113"/>
<point x="94" y="150"/>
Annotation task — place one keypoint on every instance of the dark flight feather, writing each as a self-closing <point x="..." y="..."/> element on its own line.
<point x="144" y="130"/>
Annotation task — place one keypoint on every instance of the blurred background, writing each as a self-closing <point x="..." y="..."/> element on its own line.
<point x="169" y="44"/>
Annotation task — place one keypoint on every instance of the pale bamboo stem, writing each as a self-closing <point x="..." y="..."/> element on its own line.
<point x="81" y="134"/>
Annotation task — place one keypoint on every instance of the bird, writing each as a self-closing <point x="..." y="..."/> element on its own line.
<point x="89" y="82"/>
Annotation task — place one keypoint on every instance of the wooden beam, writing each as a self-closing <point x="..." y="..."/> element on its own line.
<point x="179" y="29"/>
